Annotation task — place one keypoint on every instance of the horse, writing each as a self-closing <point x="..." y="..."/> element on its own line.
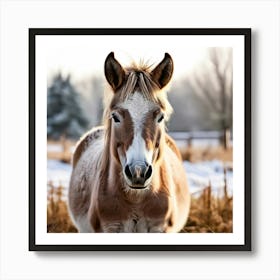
<point x="128" y="175"/>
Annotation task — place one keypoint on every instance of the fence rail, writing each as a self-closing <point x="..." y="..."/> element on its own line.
<point x="202" y="138"/>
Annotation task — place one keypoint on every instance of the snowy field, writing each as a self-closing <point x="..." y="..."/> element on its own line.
<point x="58" y="172"/>
<point x="199" y="175"/>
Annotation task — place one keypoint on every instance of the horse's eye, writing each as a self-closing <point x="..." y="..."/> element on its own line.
<point x="115" y="118"/>
<point x="160" y="118"/>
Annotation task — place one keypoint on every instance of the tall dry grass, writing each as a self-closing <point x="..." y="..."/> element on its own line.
<point x="58" y="219"/>
<point x="210" y="214"/>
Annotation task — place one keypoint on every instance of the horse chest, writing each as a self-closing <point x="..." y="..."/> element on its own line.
<point x="143" y="225"/>
<point x="137" y="220"/>
<point x="134" y="224"/>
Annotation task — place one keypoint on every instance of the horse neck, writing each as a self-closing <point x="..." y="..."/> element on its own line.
<point x="161" y="178"/>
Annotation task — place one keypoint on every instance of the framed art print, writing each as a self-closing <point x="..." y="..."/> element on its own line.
<point x="140" y="139"/>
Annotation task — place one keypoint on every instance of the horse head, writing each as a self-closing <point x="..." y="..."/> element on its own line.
<point x="136" y="117"/>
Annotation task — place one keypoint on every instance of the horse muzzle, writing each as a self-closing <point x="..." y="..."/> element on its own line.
<point x="138" y="174"/>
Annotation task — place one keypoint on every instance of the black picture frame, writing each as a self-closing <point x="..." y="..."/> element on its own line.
<point x="246" y="32"/>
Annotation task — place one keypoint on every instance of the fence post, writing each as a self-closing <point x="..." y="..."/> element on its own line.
<point x="225" y="183"/>
<point x="189" y="142"/>
<point x="51" y="197"/>
<point x="65" y="149"/>
<point x="225" y="138"/>
<point x="207" y="202"/>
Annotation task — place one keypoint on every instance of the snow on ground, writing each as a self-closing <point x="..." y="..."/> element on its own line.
<point x="199" y="175"/>
<point x="58" y="172"/>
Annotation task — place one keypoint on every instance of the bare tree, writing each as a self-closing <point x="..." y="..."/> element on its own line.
<point x="213" y="84"/>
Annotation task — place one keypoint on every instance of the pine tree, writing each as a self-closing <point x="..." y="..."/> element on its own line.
<point x="65" y="116"/>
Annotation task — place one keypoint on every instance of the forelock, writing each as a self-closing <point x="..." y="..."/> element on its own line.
<point x="138" y="80"/>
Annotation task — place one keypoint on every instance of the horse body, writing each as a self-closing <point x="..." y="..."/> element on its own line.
<point x="128" y="175"/>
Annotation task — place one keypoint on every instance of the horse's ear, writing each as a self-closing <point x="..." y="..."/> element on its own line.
<point x="114" y="72"/>
<point x="162" y="74"/>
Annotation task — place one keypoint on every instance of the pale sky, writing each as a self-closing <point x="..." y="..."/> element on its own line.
<point x="84" y="56"/>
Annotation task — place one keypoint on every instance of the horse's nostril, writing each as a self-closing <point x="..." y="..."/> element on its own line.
<point x="138" y="173"/>
<point x="127" y="172"/>
<point x="149" y="172"/>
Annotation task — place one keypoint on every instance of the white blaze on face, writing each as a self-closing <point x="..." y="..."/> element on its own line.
<point x="138" y="107"/>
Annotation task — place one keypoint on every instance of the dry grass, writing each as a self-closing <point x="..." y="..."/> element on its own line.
<point x="196" y="154"/>
<point x="210" y="214"/>
<point x="207" y="214"/>
<point x="57" y="213"/>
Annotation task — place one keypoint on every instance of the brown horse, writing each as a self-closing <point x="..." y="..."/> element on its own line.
<point x="128" y="175"/>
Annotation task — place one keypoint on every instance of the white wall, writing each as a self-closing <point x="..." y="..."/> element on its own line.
<point x="17" y="262"/>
